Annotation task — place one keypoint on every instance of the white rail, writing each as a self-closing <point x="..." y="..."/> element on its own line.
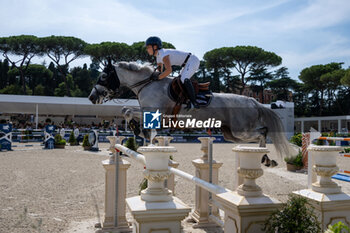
<point x="193" y="179"/>
<point x="134" y="155"/>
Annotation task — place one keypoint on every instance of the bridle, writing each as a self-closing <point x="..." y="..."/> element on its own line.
<point x="112" y="84"/>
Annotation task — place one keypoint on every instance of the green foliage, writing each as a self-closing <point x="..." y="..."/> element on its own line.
<point x="13" y="89"/>
<point x="67" y="47"/>
<point x="296" y="216"/>
<point x="320" y="79"/>
<point x="24" y="47"/>
<point x="319" y="142"/>
<point x="282" y="84"/>
<point x="114" y="50"/>
<point x="297" y="139"/>
<point x="296" y="160"/>
<point x="39" y="90"/>
<point x="72" y="140"/>
<point x="131" y="143"/>
<point x="61" y="90"/>
<point x="86" y="141"/>
<point x="243" y="58"/>
<point x="346" y="79"/>
<point x="143" y="185"/>
<point x="338" y="227"/>
<point x="59" y="140"/>
<point x="4" y="79"/>
<point x="347" y="150"/>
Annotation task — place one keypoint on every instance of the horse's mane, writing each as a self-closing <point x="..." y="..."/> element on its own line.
<point x="133" y="66"/>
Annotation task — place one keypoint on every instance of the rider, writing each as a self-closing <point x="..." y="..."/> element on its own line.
<point x="169" y="57"/>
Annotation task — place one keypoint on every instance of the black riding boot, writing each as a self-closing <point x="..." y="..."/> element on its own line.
<point x="190" y="92"/>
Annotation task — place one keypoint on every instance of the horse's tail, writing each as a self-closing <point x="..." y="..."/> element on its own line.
<point x="276" y="132"/>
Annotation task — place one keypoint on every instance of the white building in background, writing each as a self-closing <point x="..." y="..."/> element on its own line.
<point x="340" y="124"/>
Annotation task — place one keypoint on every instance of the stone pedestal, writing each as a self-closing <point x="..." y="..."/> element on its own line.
<point x="246" y="214"/>
<point x="325" y="195"/>
<point x="247" y="208"/>
<point x="156" y="210"/>
<point x="112" y="141"/>
<point x="110" y="196"/>
<point x="170" y="182"/>
<point x="201" y="211"/>
<point x="108" y="223"/>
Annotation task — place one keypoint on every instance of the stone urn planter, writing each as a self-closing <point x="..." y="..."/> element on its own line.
<point x="249" y="169"/>
<point x="325" y="167"/>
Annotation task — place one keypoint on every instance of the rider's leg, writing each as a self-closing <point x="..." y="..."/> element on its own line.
<point x="190" y="69"/>
<point x="191" y="93"/>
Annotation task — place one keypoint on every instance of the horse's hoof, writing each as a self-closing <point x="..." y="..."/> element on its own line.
<point x="274" y="163"/>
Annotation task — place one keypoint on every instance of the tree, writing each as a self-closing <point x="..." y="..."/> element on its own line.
<point x="4" y="68"/>
<point x="35" y="74"/>
<point x="82" y="80"/>
<point x="109" y="50"/>
<point x="61" y="89"/>
<point x="65" y="48"/>
<point x="346" y="79"/>
<point x="12" y="89"/>
<point x="242" y="58"/>
<point x="332" y="82"/>
<point x="247" y="58"/>
<point x="218" y="62"/>
<point x="282" y="84"/>
<point x="259" y="78"/>
<point x="24" y="47"/>
<point x="311" y="77"/>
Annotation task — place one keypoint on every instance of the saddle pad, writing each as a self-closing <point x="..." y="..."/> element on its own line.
<point x="203" y="97"/>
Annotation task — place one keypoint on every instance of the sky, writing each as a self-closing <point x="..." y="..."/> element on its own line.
<point x="302" y="32"/>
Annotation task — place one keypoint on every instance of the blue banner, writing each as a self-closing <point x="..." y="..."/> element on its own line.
<point x="5" y="136"/>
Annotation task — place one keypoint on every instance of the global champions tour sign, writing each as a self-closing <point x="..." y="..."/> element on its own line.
<point x="152" y="120"/>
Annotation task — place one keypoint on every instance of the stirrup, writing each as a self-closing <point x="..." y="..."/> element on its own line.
<point x="191" y="106"/>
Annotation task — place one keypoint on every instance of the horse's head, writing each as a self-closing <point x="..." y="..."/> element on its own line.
<point x="107" y="85"/>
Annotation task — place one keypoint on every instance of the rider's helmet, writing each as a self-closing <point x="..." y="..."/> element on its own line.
<point x="154" y="40"/>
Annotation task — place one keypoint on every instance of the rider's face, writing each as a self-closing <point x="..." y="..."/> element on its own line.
<point x="150" y="50"/>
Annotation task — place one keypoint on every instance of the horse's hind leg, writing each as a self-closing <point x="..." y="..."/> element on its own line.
<point x="262" y="138"/>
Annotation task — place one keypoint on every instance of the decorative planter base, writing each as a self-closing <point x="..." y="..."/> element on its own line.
<point x="246" y="214"/>
<point x="330" y="208"/>
<point x="157" y="216"/>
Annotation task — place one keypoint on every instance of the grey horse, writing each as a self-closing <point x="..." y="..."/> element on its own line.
<point x="243" y="119"/>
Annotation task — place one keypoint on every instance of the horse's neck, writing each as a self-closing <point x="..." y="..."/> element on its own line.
<point x="131" y="81"/>
<point x="155" y="94"/>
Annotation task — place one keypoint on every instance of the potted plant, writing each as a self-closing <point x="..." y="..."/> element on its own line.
<point x="295" y="216"/>
<point x="297" y="139"/>
<point x="86" y="144"/>
<point x="72" y="140"/>
<point x="131" y="143"/>
<point x="346" y="150"/>
<point x="60" y="143"/>
<point x="294" y="162"/>
<point x="338" y="227"/>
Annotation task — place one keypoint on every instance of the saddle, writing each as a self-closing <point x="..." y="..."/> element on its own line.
<point x="177" y="93"/>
